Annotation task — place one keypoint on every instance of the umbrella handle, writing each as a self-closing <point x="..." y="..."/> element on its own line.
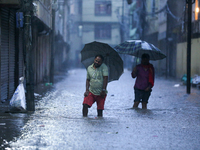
<point x="134" y="63"/>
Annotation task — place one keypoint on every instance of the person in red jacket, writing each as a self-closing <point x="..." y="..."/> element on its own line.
<point x="144" y="74"/>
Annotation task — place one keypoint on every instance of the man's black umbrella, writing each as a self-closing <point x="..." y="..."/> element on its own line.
<point x="111" y="58"/>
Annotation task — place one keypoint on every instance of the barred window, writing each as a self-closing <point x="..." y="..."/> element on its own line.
<point x="103" y="8"/>
<point x="102" y="31"/>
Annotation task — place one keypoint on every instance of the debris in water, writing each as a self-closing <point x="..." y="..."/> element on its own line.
<point x="35" y="94"/>
<point x="176" y="85"/>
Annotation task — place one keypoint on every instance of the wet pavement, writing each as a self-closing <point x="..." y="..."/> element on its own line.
<point x="172" y="120"/>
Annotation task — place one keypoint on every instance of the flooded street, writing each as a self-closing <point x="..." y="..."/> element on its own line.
<point x="45" y="45"/>
<point x="172" y="120"/>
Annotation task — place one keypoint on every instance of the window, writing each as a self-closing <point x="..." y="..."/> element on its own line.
<point x="102" y="31"/>
<point x="103" y="8"/>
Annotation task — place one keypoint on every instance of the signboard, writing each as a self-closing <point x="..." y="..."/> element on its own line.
<point x="9" y="2"/>
<point x="19" y="19"/>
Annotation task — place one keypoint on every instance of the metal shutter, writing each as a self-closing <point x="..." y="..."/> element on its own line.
<point x="11" y="64"/>
<point x="4" y="52"/>
<point x="21" y="55"/>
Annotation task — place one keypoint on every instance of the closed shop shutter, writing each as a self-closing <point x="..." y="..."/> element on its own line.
<point x="21" y="55"/>
<point x="4" y="52"/>
<point x="11" y="64"/>
<point x="7" y="53"/>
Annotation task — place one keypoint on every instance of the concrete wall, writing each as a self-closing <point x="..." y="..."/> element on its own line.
<point x="162" y="21"/>
<point x="88" y="35"/>
<point x="89" y="19"/>
<point x="152" y="19"/>
<point x="181" y="67"/>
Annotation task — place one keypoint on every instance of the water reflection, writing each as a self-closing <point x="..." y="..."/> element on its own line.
<point x="11" y="127"/>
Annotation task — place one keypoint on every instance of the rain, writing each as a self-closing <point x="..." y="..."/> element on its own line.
<point x="52" y="43"/>
<point x="171" y="122"/>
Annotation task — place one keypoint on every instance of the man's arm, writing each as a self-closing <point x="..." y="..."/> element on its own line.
<point x="87" y="84"/>
<point x="87" y="87"/>
<point x="105" y="83"/>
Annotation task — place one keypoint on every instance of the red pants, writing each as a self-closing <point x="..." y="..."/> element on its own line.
<point x="91" y="99"/>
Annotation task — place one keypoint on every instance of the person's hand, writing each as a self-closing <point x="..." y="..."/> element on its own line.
<point x="103" y="94"/>
<point x="147" y="89"/>
<point x="86" y="93"/>
<point x="134" y="71"/>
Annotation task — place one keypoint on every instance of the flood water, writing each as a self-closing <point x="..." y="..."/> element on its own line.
<point x="172" y="120"/>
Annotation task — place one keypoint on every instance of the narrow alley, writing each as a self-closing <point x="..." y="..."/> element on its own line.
<point x="172" y="120"/>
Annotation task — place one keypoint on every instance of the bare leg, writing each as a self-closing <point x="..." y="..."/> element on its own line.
<point x="144" y="105"/>
<point x="135" y="105"/>
<point x="100" y="112"/>
<point x="85" y="110"/>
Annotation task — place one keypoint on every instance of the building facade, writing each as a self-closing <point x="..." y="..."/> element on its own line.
<point x="61" y="35"/>
<point x="28" y="44"/>
<point x="95" y="20"/>
<point x="165" y="26"/>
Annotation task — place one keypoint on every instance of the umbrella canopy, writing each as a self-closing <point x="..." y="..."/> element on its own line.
<point x="137" y="48"/>
<point x="111" y="58"/>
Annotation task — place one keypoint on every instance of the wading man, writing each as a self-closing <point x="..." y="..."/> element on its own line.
<point x="96" y="83"/>
<point x="144" y="74"/>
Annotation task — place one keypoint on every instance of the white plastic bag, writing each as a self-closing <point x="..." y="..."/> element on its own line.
<point x="196" y="79"/>
<point x="18" y="100"/>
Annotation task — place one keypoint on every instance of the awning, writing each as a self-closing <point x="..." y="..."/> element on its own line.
<point x="42" y="13"/>
<point x="10" y="3"/>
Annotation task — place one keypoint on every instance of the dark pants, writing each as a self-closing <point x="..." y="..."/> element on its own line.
<point x="141" y="95"/>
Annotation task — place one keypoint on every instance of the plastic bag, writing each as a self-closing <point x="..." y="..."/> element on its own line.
<point x="196" y="79"/>
<point x="18" y="100"/>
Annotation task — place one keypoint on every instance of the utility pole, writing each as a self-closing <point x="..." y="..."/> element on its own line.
<point x="52" y="46"/>
<point x="29" y="75"/>
<point x="189" y="2"/>
<point x="167" y="45"/>
<point x="143" y="19"/>
<point x="122" y="24"/>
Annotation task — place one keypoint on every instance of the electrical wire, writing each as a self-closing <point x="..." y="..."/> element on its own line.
<point x="169" y="12"/>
